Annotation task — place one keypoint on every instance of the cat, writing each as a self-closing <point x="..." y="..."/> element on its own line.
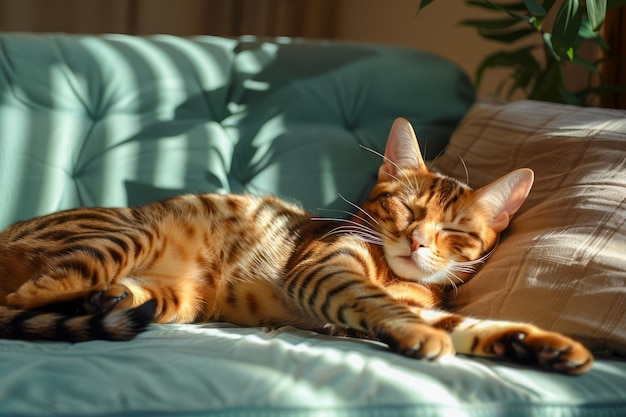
<point x="106" y="273"/>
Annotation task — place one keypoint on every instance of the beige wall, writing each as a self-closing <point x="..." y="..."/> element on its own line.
<point x="435" y="29"/>
<point x="395" y="22"/>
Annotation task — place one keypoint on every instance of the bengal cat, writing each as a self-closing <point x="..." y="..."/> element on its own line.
<point x="104" y="273"/>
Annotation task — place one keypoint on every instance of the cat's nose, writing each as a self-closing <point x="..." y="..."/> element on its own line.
<point x="418" y="241"/>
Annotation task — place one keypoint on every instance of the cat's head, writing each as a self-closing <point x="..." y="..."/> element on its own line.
<point x="433" y="228"/>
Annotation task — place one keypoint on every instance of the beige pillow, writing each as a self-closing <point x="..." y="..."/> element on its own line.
<point x="562" y="263"/>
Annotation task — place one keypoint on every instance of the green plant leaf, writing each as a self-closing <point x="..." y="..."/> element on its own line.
<point x="547" y="5"/>
<point x="506" y="36"/>
<point x="605" y="89"/>
<point x="523" y="64"/>
<point x="601" y="90"/>
<point x="566" y="26"/>
<point x="586" y="32"/>
<point x="590" y="66"/>
<point x="521" y="57"/>
<point x="424" y="3"/>
<point x="575" y="21"/>
<point x="522" y="76"/>
<point x="509" y="9"/>
<point x="535" y="8"/>
<point x="596" y="9"/>
<point x="548" y="84"/>
<point x="568" y="97"/>
<point x="490" y="23"/>
<point x="547" y="42"/>
<point x="518" y="7"/>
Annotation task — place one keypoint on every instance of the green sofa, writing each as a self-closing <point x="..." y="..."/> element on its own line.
<point x="118" y="120"/>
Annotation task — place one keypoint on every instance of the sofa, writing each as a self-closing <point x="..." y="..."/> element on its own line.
<point x="115" y="120"/>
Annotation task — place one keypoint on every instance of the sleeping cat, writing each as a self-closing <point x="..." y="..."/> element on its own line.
<point x="103" y="273"/>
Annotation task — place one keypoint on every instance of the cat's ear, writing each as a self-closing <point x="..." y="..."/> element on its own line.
<point x="401" y="152"/>
<point x="503" y="197"/>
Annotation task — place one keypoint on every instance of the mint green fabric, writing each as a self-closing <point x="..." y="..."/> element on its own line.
<point x="118" y="120"/>
<point x="220" y="370"/>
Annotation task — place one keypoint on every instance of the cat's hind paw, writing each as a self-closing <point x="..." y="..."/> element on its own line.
<point x="104" y="299"/>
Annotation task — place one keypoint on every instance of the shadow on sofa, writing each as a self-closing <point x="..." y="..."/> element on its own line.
<point x="115" y="121"/>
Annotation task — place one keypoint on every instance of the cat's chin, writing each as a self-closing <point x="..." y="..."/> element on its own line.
<point x="413" y="268"/>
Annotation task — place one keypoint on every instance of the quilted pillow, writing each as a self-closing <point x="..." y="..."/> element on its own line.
<point x="562" y="263"/>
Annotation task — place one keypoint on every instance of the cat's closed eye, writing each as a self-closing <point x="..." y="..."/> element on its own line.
<point x="452" y="231"/>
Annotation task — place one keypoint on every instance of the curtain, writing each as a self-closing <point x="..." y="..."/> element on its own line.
<point x="71" y="16"/>
<point x="614" y="65"/>
<point x="301" y="18"/>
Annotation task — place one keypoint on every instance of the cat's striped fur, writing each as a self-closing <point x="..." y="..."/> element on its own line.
<point x="98" y="273"/>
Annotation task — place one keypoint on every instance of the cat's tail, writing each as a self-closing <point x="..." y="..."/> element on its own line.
<point x="111" y="325"/>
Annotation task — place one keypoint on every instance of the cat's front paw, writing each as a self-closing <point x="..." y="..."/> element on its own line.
<point x="417" y="340"/>
<point x="550" y="350"/>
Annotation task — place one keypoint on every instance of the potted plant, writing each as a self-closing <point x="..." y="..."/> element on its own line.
<point x="559" y="29"/>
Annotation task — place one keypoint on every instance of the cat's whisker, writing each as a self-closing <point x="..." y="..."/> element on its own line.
<point x="354" y="231"/>
<point x="366" y="239"/>
<point x="360" y="229"/>
<point x="349" y="213"/>
<point x="452" y="283"/>
<point x="350" y="222"/>
<point x="363" y="237"/>
<point x="352" y="225"/>
<point x="468" y="267"/>
<point x="334" y="210"/>
<point x="351" y="229"/>
<point x="459" y="279"/>
<point x="436" y="157"/>
<point x="471" y="267"/>
<point x="360" y="209"/>
<point x="466" y="171"/>
<point x="410" y="186"/>
<point x="381" y="234"/>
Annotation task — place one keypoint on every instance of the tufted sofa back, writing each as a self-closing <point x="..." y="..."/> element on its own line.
<point x="119" y="120"/>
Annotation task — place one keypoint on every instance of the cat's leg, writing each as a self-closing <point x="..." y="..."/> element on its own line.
<point x="517" y="341"/>
<point x="61" y="314"/>
<point x="336" y="290"/>
<point x="520" y="342"/>
<point x="368" y="315"/>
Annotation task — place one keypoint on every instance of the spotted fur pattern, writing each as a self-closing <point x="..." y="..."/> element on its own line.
<point x="103" y="273"/>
